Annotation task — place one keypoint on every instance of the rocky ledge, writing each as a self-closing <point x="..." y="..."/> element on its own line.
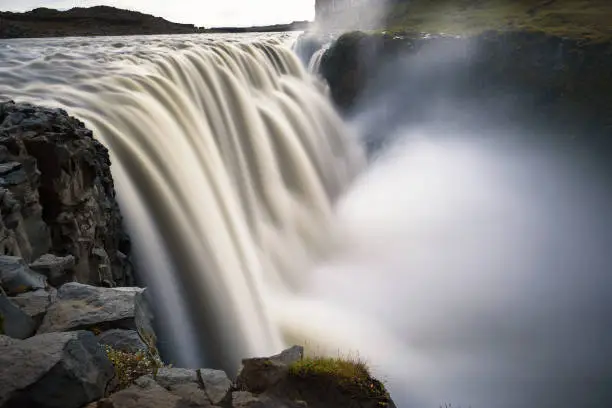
<point x="84" y="346"/>
<point x="59" y="217"/>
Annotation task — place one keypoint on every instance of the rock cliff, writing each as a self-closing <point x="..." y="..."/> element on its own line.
<point x="57" y="199"/>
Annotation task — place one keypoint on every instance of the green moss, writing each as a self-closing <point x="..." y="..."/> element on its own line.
<point x="131" y="366"/>
<point x="577" y="19"/>
<point x="351" y="376"/>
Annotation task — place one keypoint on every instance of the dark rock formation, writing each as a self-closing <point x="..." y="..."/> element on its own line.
<point x="99" y="20"/>
<point x="15" y="323"/>
<point x="122" y="340"/>
<point x="35" y="304"/>
<point x="58" y="270"/>
<point x="57" y="197"/>
<point x="81" y="307"/>
<point x="553" y="79"/>
<point x="16" y="277"/>
<point x="57" y="370"/>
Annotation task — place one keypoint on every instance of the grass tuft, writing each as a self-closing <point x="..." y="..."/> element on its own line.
<point x="351" y="375"/>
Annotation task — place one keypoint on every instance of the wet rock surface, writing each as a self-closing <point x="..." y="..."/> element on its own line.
<point x="57" y="196"/>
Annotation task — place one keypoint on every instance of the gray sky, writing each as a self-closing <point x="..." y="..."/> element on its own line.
<point x="198" y="12"/>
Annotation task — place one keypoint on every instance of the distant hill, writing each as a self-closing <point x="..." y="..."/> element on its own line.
<point x="295" y="26"/>
<point x="92" y="21"/>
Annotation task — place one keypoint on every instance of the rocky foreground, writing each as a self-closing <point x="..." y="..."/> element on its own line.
<point x="73" y="333"/>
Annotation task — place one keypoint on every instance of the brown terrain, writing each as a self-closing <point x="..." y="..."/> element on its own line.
<point x="93" y="21"/>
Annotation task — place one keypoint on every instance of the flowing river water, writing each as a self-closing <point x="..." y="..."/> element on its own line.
<point x="464" y="270"/>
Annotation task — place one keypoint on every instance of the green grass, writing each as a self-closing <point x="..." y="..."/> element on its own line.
<point x="350" y="375"/>
<point x="590" y="20"/>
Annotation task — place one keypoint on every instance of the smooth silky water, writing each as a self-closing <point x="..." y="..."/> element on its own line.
<point x="465" y="271"/>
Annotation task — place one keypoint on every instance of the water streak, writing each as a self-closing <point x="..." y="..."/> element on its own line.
<point x="227" y="158"/>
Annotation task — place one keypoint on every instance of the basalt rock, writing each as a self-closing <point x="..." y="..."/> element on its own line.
<point x="13" y="321"/>
<point x="122" y="340"/>
<point x="16" y="277"/>
<point x="56" y="370"/>
<point x="80" y="307"/>
<point x="57" y="195"/>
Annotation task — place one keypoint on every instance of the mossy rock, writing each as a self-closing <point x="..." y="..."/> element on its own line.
<point x="335" y="382"/>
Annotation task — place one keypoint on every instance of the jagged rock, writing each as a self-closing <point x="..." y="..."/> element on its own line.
<point x="35" y="304"/>
<point x="191" y="394"/>
<point x="57" y="194"/>
<point x="16" y="277"/>
<point x="215" y="383"/>
<point x="14" y="240"/>
<point x="144" y="318"/>
<point x="122" y="340"/>
<point x="146" y="393"/>
<point x="81" y="306"/>
<point x="15" y="323"/>
<point x="55" y="370"/>
<point x="260" y="374"/>
<point x="58" y="270"/>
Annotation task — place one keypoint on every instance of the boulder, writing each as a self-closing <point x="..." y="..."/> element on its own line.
<point x="55" y="370"/>
<point x="58" y="270"/>
<point x="81" y="306"/>
<point x="171" y="387"/>
<point x="57" y="195"/>
<point x="123" y="340"/>
<point x="35" y="304"/>
<point x="260" y="374"/>
<point x="13" y="321"/>
<point x="146" y="393"/>
<point x="214" y="383"/>
<point x="16" y="277"/>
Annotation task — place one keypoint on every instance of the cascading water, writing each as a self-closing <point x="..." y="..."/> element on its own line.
<point x="227" y="161"/>
<point x="465" y="271"/>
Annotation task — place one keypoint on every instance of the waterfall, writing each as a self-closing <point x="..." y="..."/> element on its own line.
<point x="227" y="160"/>
<point x="235" y="159"/>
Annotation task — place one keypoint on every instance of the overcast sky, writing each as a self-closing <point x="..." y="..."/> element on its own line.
<point x="199" y="12"/>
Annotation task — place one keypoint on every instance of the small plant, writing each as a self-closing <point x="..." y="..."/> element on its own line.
<point x="349" y="374"/>
<point x="131" y="366"/>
